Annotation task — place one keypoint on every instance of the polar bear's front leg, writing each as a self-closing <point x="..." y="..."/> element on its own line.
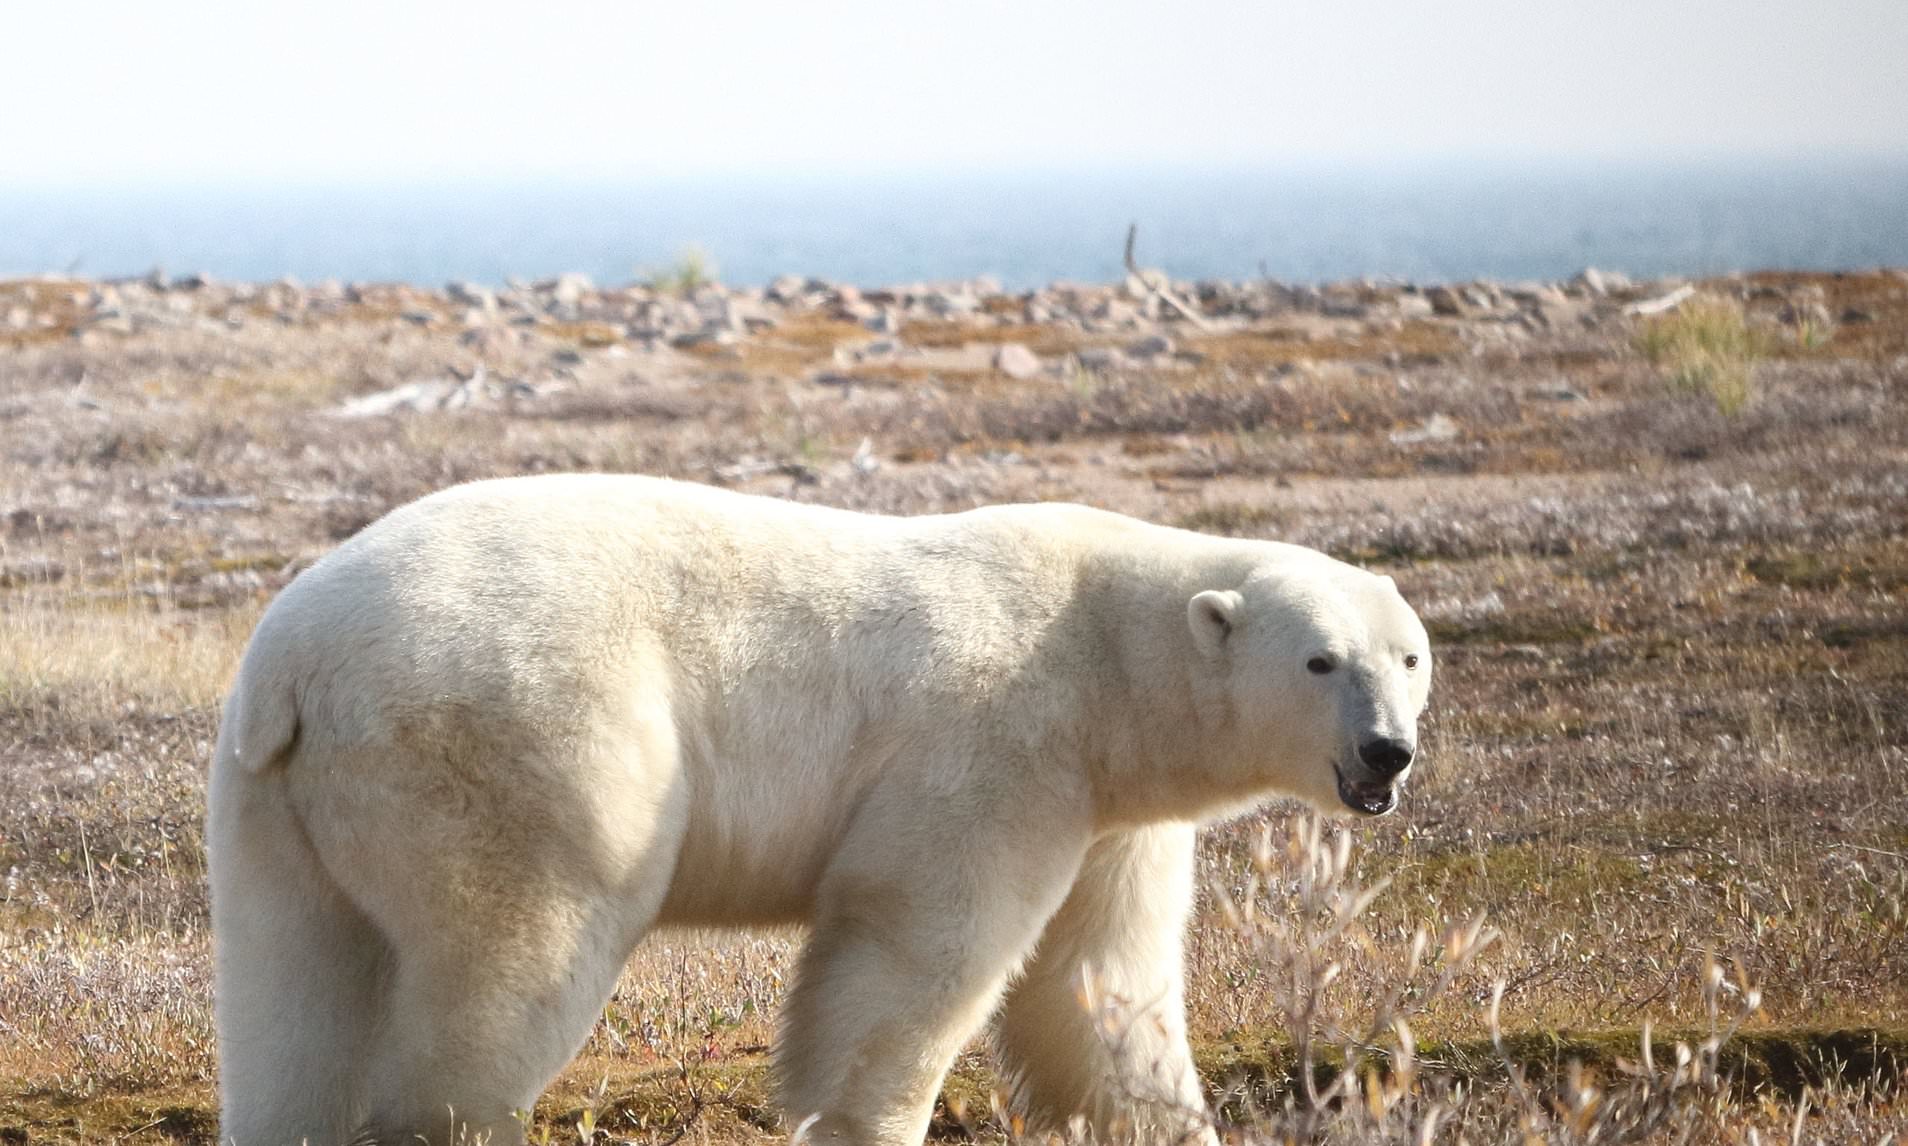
<point x="923" y="915"/>
<point x="1097" y="1026"/>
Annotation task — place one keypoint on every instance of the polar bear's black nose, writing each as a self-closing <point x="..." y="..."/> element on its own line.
<point x="1385" y="756"/>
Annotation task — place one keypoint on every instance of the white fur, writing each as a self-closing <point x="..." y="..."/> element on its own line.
<point x="473" y="755"/>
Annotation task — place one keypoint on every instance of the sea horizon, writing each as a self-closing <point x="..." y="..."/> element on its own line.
<point x="1419" y="220"/>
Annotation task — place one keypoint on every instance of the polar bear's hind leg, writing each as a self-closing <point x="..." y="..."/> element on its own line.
<point x="300" y="972"/>
<point x="517" y="907"/>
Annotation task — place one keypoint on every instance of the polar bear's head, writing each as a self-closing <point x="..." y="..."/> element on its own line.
<point x="1324" y="670"/>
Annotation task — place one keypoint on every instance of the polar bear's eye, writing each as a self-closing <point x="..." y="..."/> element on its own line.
<point x="1319" y="665"/>
<point x="1411" y="660"/>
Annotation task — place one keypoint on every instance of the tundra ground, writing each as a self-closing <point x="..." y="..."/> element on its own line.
<point x="1670" y="606"/>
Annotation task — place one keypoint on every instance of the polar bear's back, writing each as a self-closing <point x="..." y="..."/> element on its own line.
<point x="512" y="590"/>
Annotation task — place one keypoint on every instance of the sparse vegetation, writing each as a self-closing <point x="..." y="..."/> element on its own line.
<point x="1706" y="347"/>
<point x="1668" y="731"/>
<point x="692" y="269"/>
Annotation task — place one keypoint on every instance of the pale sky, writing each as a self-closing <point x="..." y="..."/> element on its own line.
<point x="244" y="90"/>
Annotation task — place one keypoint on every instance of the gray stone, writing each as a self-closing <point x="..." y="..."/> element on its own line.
<point x="1447" y="302"/>
<point x="788" y="288"/>
<point x="1600" y="282"/>
<point x="1152" y="346"/>
<point x="950" y="304"/>
<point x="1483" y="296"/>
<point x="1561" y="314"/>
<point x="1100" y="358"/>
<point x="708" y="336"/>
<point x="471" y="294"/>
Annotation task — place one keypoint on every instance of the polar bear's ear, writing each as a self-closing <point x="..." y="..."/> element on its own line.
<point x="1213" y="614"/>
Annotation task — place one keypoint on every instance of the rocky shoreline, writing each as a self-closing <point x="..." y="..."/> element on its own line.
<point x="522" y="340"/>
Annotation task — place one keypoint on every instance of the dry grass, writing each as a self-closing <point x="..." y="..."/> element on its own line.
<point x="97" y="658"/>
<point x="1669" y="723"/>
<point x="1706" y="347"/>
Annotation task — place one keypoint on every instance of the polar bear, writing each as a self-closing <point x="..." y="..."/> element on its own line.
<point x="475" y="753"/>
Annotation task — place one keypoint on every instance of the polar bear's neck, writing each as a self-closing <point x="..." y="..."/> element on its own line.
<point x="1161" y="739"/>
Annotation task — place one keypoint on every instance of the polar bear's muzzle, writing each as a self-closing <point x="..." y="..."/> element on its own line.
<point x="1371" y="785"/>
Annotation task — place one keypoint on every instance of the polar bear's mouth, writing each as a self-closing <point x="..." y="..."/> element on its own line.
<point x="1372" y="797"/>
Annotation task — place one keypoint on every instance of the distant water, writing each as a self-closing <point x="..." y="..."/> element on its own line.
<point x="1425" y="223"/>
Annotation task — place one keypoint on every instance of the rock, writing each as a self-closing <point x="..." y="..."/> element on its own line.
<point x="1114" y="314"/>
<point x="1413" y="306"/>
<point x="1561" y="313"/>
<point x="950" y="304"/>
<point x="1855" y="316"/>
<point x="1535" y="294"/>
<point x="569" y="288"/>
<point x="855" y="310"/>
<point x="471" y="294"/>
<point x="707" y="336"/>
<point x="1100" y="358"/>
<point x="1598" y="283"/>
<point x="718" y="313"/>
<point x="1446" y="301"/>
<point x="109" y="321"/>
<point x="1436" y="428"/>
<point x="1016" y="361"/>
<point x="1152" y="346"/>
<point x="788" y="288"/>
<point x="884" y="321"/>
<point x="490" y="340"/>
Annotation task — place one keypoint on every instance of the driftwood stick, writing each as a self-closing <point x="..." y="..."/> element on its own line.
<point x="1157" y="282"/>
